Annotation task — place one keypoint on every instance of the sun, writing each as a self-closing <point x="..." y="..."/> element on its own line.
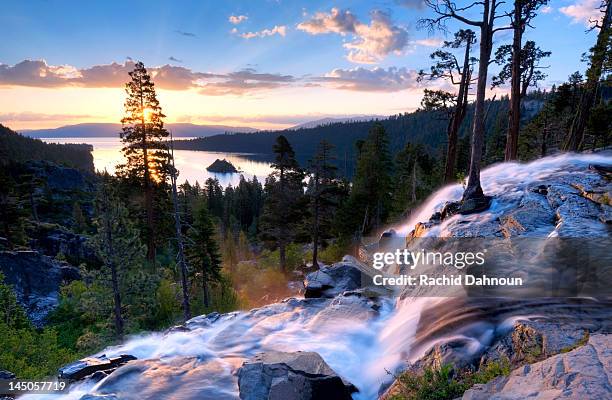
<point x="148" y="114"/>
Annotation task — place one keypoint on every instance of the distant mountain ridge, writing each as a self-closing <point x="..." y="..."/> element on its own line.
<point x="327" y="121"/>
<point x="112" y="130"/>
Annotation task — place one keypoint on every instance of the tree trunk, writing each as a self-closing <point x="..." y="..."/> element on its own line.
<point x="179" y="242"/>
<point x="205" y="293"/>
<point x="575" y="137"/>
<point x="457" y="118"/>
<point x="282" y="256"/>
<point x="514" y="114"/>
<point x="114" y="276"/>
<point x="473" y="189"/>
<point x="315" y="233"/>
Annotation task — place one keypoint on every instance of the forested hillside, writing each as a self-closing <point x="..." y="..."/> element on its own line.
<point x="17" y="149"/>
<point x="421" y="127"/>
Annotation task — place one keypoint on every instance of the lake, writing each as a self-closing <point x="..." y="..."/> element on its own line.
<point x="191" y="164"/>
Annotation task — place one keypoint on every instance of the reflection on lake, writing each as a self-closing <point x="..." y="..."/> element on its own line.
<point x="191" y="164"/>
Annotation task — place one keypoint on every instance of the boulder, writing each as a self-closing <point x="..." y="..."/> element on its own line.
<point x="291" y="376"/>
<point x="531" y="341"/>
<point x="88" y="366"/>
<point x="583" y="373"/>
<point x="4" y="374"/>
<point x="36" y="280"/>
<point x="330" y="281"/>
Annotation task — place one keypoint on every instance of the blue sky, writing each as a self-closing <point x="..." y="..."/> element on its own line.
<point x="324" y="58"/>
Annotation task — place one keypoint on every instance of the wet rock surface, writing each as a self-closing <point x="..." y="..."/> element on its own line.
<point x="583" y="373"/>
<point x="330" y="281"/>
<point x="291" y="376"/>
<point x="91" y="365"/>
<point x="36" y="280"/>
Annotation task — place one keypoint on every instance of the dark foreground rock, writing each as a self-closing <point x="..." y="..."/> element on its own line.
<point x="36" y="280"/>
<point x="91" y="365"/>
<point x="583" y="373"/>
<point x="6" y="374"/>
<point x="330" y="281"/>
<point x="291" y="376"/>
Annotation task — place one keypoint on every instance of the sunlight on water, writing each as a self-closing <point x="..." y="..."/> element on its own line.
<point x="191" y="164"/>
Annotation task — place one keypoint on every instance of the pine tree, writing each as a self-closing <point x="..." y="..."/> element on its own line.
<point x="454" y="105"/>
<point x="600" y="61"/>
<point x="202" y="251"/>
<point x="415" y="178"/>
<point x="490" y="13"/>
<point x="117" y="243"/>
<point x="285" y="201"/>
<point x="214" y="197"/>
<point x="146" y="153"/>
<point x="369" y="202"/>
<point x="323" y="191"/>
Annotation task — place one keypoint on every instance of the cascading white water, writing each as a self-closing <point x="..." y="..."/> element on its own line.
<point x="506" y="182"/>
<point x="359" y="343"/>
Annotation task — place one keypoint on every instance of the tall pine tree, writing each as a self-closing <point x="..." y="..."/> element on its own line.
<point x="117" y="243"/>
<point x="144" y="148"/>
<point x="202" y="251"/>
<point x="323" y="191"/>
<point x="284" y="202"/>
<point x="369" y="202"/>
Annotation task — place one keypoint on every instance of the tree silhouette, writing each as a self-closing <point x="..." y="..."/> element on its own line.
<point x="490" y="12"/>
<point x="518" y="59"/>
<point x="143" y="137"/>
<point x="323" y="191"/>
<point x="447" y="66"/>
<point x="600" y="61"/>
<point x="203" y="251"/>
<point x="284" y="202"/>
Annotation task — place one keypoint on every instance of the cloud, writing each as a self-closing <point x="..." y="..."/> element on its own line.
<point x="171" y="58"/>
<point x="246" y="80"/>
<point x="371" y="43"/>
<point x="337" y="21"/>
<point x="584" y="11"/>
<point x="547" y="9"/>
<point x="280" y="30"/>
<point x="429" y="42"/>
<point x="35" y="117"/>
<point x="377" y="79"/>
<point x="236" y="19"/>
<point x="37" y="73"/>
<point x="183" y="33"/>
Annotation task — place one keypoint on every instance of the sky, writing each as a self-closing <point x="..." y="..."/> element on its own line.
<point x="259" y="63"/>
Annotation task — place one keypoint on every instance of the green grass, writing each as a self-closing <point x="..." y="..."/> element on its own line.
<point x="444" y="383"/>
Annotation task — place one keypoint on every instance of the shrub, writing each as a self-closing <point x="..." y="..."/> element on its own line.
<point x="445" y="383"/>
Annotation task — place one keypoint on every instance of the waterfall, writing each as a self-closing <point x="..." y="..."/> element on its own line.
<point x="360" y="343"/>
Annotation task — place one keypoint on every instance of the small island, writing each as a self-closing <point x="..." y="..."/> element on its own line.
<point x="222" y="167"/>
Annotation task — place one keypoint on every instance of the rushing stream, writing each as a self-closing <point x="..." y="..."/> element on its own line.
<point x="360" y="339"/>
